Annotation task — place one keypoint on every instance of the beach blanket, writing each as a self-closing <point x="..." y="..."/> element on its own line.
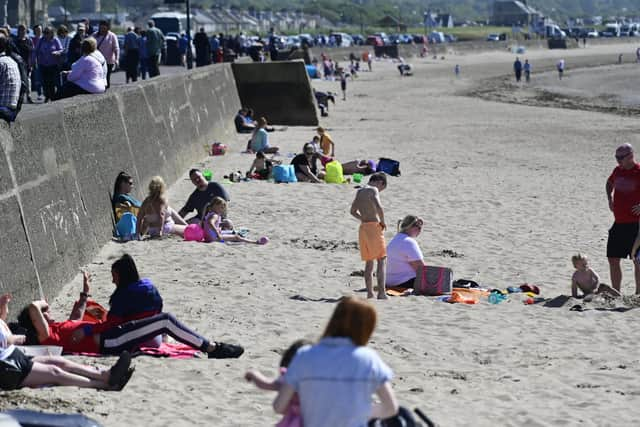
<point x="172" y="350"/>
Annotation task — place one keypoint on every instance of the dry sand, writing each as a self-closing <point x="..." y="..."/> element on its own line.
<point x="514" y="190"/>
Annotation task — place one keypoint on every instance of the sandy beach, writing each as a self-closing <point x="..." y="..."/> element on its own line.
<point x="510" y="189"/>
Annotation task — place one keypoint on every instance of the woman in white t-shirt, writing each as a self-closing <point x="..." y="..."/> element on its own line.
<point x="404" y="257"/>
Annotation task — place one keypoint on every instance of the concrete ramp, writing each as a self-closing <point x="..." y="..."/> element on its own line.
<point x="280" y="91"/>
<point x="58" y="163"/>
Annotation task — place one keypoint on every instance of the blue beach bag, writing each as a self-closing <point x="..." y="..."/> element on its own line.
<point x="284" y="173"/>
<point x="126" y="227"/>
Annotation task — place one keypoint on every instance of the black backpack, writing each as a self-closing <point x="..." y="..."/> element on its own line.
<point x="24" y="78"/>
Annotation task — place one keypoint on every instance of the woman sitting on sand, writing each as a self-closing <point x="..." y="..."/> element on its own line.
<point x="156" y="217"/>
<point x="125" y="207"/>
<point x="260" y="138"/>
<point x="122" y="192"/>
<point x="336" y="377"/>
<point x="134" y="320"/>
<point x="404" y="257"/>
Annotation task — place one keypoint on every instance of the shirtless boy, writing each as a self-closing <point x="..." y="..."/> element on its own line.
<point x="367" y="208"/>
<point x="587" y="280"/>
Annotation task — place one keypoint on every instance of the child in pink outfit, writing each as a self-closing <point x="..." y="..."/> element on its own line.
<point x="292" y="417"/>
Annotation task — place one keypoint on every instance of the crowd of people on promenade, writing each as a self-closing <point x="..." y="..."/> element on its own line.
<point x="54" y="65"/>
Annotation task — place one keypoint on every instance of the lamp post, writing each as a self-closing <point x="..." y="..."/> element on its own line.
<point x="189" y="52"/>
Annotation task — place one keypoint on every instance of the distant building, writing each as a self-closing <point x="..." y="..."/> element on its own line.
<point x="514" y="12"/>
<point x="28" y="12"/>
<point x="391" y="22"/>
<point x="438" y="20"/>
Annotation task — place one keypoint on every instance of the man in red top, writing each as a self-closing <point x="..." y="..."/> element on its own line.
<point x="623" y="192"/>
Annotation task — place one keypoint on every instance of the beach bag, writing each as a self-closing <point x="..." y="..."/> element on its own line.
<point x="389" y="166"/>
<point x="433" y="281"/>
<point x="126" y="227"/>
<point x="333" y="173"/>
<point x="284" y="173"/>
<point x="218" y="149"/>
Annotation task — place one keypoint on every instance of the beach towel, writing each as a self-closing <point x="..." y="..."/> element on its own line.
<point x="172" y="350"/>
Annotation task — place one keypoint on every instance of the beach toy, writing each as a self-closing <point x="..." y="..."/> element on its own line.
<point x="514" y="289"/>
<point x="459" y="298"/>
<point x="193" y="233"/>
<point x="496" y="297"/>
<point x="334" y="173"/>
<point x="207" y="174"/>
<point x="263" y="240"/>
<point x="529" y="301"/>
<point x="357" y="177"/>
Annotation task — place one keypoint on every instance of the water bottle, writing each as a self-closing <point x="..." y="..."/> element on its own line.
<point x="496" y="298"/>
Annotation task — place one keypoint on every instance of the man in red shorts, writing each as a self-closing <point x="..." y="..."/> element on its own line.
<point x="623" y="192"/>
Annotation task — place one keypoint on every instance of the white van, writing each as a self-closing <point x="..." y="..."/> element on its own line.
<point x="611" y="30"/>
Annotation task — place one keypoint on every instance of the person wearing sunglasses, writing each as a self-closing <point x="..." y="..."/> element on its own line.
<point x="306" y="166"/>
<point x="623" y="193"/>
<point x="404" y="257"/>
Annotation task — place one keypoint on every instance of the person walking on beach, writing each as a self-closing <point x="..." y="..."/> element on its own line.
<point x="560" y="67"/>
<point x="367" y="208"/>
<point x="527" y="70"/>
<point x="517" y="69"/>
<point x="623" y="193"/>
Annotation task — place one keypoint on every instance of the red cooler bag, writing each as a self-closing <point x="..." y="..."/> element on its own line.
<point x="432" y="281"/>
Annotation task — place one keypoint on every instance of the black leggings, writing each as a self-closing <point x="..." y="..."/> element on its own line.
<point x="132" y="334"/>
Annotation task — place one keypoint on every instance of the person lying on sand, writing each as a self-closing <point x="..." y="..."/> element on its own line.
<point x="78" y="336"/>
<point x="18" y="370"/>
<point x="587" y="280"/>
<point x="364" y="167"/>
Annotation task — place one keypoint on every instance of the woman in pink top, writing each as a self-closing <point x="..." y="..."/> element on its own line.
<point x="87" y="74"/>
<point x="107" y="44"/>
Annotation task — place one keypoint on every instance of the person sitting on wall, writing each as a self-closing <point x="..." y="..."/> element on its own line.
<point x="87" y="74"/>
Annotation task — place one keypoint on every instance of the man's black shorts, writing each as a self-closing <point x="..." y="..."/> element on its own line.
<point x="14" y="369"/>
<point x="621" y="238"/>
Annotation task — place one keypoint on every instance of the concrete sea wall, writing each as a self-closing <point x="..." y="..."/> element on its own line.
<point x="280" y="91"/>
<point x="59" y="161"/>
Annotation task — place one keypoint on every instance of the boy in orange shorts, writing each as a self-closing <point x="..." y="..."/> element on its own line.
<point x="366" y="207"/>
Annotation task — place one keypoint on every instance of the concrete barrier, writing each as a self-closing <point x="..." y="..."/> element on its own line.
<point x="58" y="163"/>
<point x="280" y="91"/>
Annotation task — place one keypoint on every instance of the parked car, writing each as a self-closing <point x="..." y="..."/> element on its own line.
<point x="358" y="39"/>
<point x="493" y="38"/>
<point x="374" y="41"/>
<point x="342" y="39"/>
<point x="436" y="37"/>
<point x="419" y="39"/>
